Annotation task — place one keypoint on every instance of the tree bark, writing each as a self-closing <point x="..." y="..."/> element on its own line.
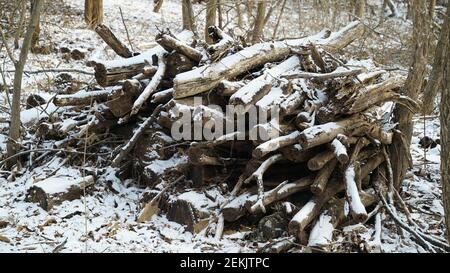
<point x="210" y="18"/>
<point x="259" y="22"/>
<point x="93" y="13"/>
<point x="110" y="39"/>
<point x="157" y="5"/>
<point x="14" y="130"/>
<point x="37" y="30"/>
<point x="360" y="8"/>
<point x="445" y="146"/>
<point x="207" y="77"/>
<point x="400" y="150"/>
<point x="437" y="74"/>
<point x="188" y="15"/>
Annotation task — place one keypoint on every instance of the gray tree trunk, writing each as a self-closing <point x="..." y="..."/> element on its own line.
<point x="14" y="129"/>
<point x="437" y="74"/>
<point x="188" y="15"/>
<point x="445" y="144"/>
<point x="211" y="9"/>
<point x="400" y="150"/>
<point x="259" y="21"/>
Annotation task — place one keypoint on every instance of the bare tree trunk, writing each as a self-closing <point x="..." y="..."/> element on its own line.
<point x="437" y="74"/>
<point x="239" y="13"/>
<point x="14" y="130"/>
<point x="259" y="21"/>
<point x="188" y="15"/>
<point x="210" y="18"/>
<point x="445" y="139"/>
<point x="22" y="18"/>
<point x="360" y="8"/>
<point x="93" y="13"/>
<point x="157" y="4"/>
<point x="250" y="5"/>
<point x="279" y="20"/>
<point x="37" y="30"/>
<point x="300" y="14"/>
<point x="219" y="13"/>
<point x="400" y="150"/>
<point x="383" y="8"/>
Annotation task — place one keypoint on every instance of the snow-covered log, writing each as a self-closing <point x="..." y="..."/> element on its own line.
<point x="57" y="189"/>
<point x="208" y="77"/>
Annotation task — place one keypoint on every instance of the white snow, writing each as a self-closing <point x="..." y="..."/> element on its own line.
<point x="322" y="232"/>
<point x="352" y="192"/>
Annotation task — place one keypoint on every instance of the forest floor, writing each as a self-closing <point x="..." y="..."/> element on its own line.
<point x="105" y="219"/>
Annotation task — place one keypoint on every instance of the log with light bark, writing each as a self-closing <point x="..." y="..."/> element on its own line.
<point x="170" y="43"/>
<point x="247" y="202"/>
<point x="222" y="43"/>
<point x="334" y="216"/>
<point x="313" y="208"/>
<point x="325" y="133"/>
<point x="108" y="73"/>
<point x="82" y="98"/>
<point x="207" y="77"/>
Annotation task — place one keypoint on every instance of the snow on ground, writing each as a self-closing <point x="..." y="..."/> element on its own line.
<point x="108" y="214"/>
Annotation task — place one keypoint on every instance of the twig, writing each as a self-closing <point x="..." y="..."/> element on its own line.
<point x="126" y="29"/>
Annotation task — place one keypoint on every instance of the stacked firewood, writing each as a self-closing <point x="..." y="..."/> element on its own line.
<point x="322" y="161"/>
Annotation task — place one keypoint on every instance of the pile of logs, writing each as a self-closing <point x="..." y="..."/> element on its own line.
<point x="325" y="163"/>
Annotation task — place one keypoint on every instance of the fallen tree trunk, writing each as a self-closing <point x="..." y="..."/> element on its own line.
<point x="208" y="77"/>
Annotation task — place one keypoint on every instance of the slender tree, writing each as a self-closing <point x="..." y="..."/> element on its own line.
<point x="259" y="21"/>
<point x="14" y="129"/>
<point x="279" y="20"/>
<point x="188" y="15"/>
<point x="360" y="8"/>
<point x="37" y="31"/>
<point x="400" y="150"/>
<point x="437" y="73"/>
<point x="211" y="8"/>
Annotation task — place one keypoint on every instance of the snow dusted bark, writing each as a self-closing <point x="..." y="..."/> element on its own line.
<point x="208" y="77"/>
<point x="169" y="43"/>
<point x="259" y="87"/>
<point x="275" y="144"/>
<point x="357" y="208"/>
<point x="55" y="190"/>
<point x="151" y="87"/>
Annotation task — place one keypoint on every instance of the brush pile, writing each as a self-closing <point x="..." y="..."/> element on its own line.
<point x="319" y="159"/>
